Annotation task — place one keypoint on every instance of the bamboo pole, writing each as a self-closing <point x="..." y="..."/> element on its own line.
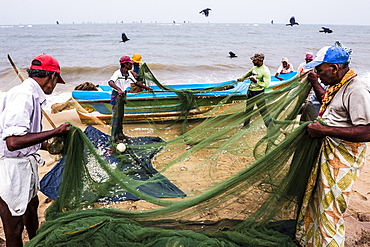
<point x="21" y="78"/>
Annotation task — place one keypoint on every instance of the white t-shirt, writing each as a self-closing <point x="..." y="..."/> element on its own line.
<point x="282" y="70"/>
<point x="120" y="80"/>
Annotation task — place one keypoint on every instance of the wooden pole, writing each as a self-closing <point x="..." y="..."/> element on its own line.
<point x="21" y="78"/>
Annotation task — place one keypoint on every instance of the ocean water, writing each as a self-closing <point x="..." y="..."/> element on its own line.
<point x="176" y="53"/>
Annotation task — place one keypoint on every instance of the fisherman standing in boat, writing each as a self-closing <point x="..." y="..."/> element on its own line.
<point x="260" y="78"/>
<point x="137" y="59"/>
<point x="21" y="138"/>
<point x="284" y="68"/>
<point x="120" y="81"/>
<point x="308" y="58"/>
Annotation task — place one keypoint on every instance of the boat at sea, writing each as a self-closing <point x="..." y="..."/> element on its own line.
<point x="169" y="102"/>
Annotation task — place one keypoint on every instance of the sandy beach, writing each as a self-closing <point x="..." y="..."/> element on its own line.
<point x="357" y="215"/>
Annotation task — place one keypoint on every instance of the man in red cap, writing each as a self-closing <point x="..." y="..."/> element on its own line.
<point x="120" y="81"/>
<point x="21" y="138"/>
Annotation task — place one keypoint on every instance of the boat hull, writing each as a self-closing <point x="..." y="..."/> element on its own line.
<point x="95" y="107"/>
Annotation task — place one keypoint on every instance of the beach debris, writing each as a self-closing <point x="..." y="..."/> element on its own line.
<point x="124" y="38"/>
<point x="292" y="22"/>
<point x="205" y="12"/>
<point x="232" y="54"/>
<point x="325" y="30"/>
<point x="121" y="147"/>
<point x="59" y="107"/>
<point x="87" y="86"/>
<point x="55" y="145"/>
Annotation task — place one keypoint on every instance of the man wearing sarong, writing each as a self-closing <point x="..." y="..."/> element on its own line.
<point x="344" y="123"/>
<point x="21" y="137"/>
<point x="120" y="81"/>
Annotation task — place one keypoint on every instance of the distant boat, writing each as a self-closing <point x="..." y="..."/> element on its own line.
<point x="58" y="22"/>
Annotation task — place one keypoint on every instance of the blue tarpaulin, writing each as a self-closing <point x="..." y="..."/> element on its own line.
<point x="138" y="160"/>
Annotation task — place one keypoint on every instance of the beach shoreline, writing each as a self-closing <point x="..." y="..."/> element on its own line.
<point x="357" y="216"/>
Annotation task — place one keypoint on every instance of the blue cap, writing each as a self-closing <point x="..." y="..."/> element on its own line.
<point x="328" y="54"/>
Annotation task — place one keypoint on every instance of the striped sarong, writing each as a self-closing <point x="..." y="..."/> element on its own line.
<point x="321" y="221"/>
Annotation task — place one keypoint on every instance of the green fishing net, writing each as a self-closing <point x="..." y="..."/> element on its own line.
<point x="244" y="186"/>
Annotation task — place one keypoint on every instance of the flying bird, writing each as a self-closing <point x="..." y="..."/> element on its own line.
<point x="124" y="38"/>
<point x="205" y="12"/>
<point x="326" y="30"/>
<point x="232" y="54"/>
<point x="292" y="22"/>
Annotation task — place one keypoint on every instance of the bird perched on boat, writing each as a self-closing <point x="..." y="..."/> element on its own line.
<point x="124" y="38"/>
<point x="292" y="22"/>
<point x="325" y="30"/>
<point x="205" y="12"/>
<point x="232" y="54"/>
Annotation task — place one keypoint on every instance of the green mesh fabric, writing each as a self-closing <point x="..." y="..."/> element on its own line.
<point x="246" y="184"/>
<point x="186" y="98"/>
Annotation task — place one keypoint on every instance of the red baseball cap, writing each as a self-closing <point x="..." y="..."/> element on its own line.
<point x="125" y="59"/>
<point x="47" y="63"/>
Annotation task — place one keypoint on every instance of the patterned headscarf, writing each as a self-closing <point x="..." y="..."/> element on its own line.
<point x="258" y="56"/>
<point x="332" y="90"/>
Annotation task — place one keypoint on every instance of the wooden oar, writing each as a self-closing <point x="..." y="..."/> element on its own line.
<point x="21" y="78"/>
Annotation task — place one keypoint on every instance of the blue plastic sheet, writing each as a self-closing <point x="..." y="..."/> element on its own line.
<point x="138" y="160"/>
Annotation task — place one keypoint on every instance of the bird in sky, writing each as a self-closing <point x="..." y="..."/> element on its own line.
<point x="205" y="12"/>
<point x="232" y="54"/>
<point x="326" y="30"/>
<point x="292" y="22"/>
<point x="124" y="38"/>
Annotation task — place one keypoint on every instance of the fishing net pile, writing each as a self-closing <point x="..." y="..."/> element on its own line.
<point x="240" y="186"/>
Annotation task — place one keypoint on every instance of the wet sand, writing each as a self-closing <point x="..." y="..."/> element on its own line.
<point x="357" y="215"/>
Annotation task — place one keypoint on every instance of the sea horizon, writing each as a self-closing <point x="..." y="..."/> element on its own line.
<point x="177" y="53"/>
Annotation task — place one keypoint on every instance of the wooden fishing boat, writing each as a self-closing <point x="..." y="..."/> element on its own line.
<point x="163" y="105"/>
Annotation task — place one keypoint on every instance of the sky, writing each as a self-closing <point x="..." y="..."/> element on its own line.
<point x="325" y="12"/>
